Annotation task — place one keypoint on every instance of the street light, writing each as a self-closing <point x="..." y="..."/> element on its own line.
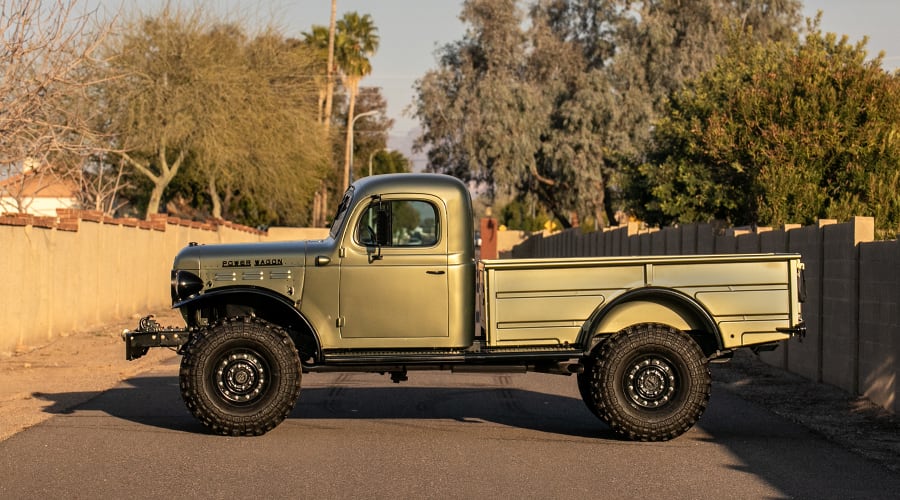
<point x="348" y="163"/>
<point x="372" y="154"/>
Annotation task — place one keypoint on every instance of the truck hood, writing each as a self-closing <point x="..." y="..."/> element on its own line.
<point x="243" y="255"/>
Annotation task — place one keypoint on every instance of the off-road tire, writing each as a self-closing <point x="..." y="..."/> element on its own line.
<point x="586" y="386"/>
<point x="649" y="382"/>
<point x="240" y="377"/>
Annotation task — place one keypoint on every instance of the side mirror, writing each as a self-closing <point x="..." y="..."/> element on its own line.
<point x="383" y="225"/>
<point x="382" y="234"/>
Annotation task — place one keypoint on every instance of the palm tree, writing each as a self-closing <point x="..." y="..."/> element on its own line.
<point x="329" y="93"/>
<point x="317" y="41"/>
<point x="356" y="40"/>
<point x="321" y="40"/>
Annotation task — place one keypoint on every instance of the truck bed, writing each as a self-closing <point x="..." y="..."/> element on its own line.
<point x="544" y="302"/>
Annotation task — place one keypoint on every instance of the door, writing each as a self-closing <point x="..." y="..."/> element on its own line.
<point x="394" y="272"/>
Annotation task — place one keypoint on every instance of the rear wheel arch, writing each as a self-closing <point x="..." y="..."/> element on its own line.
<point x="654" y="305"/>
<point x="229" y="303"/>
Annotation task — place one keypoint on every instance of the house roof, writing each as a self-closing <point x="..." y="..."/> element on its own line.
<point x="34" y="184"/>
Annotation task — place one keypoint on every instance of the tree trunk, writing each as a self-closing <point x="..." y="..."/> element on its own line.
<point x="324" y="202"/>
<point x="329" y="90"/>
<point x="352" y="85"/>
<point x="167" y="173"/>
<point x="155" y="197"/>
<point x="214" y="197"/>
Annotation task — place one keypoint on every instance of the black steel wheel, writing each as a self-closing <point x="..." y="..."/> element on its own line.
<point x="650" y="382"/>
<point x="241" y="377"/>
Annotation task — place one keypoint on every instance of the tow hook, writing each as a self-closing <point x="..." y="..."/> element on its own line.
<point x="798" y="330"/>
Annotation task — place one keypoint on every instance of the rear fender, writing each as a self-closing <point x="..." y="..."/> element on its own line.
<point x="654" y="305"/>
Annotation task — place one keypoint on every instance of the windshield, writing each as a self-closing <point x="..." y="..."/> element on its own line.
<point x="341" y="213"/>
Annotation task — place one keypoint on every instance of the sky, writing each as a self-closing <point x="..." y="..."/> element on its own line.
<point x="412" y="30"/>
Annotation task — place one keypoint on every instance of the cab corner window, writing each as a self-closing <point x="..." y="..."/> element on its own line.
<point x="399" y="223"/>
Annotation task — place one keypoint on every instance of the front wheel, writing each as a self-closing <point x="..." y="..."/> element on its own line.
<point x="649" y="382"/>
<point x="241" y="377"/>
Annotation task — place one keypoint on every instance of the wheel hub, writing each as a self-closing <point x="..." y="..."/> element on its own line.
<point x="650" y="383"/>
<point x="240" y="377"/>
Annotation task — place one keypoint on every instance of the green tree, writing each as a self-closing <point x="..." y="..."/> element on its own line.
<point x="389" y="162"/>
<point x="278" y="167"/>
<point x="357" y="40"/>
<point x="557" y="102"/>
<point x="779" y="133"/>
<point x="371" y="132"/>
<point x="482" y="117"/>
<point x="243" y="111"/>
<point x="316" y="40"/>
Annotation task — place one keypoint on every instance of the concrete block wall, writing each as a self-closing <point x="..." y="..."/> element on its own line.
<point x="852" y="285"/>
<point x="879" y="323"/>
<point x="82" y="269"/>
<point x="840" y="301"/>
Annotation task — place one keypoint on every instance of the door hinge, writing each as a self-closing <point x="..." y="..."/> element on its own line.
<point x="339" y="322"/>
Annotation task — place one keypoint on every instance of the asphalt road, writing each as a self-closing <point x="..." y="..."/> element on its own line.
<point x="439" y="435"/>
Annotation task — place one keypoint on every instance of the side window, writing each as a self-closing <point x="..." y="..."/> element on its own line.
<point x="413" y="224"/>
<point x="399" y="223"/>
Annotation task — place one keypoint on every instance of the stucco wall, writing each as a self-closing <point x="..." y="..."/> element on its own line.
<point x="81" y="269"/>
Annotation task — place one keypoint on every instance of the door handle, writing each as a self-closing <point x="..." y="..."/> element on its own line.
<point x="434" y="272"/>
<point x="321" y="260"/>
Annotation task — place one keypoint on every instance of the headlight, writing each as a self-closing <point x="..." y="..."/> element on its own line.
<point x="185" y="284"/>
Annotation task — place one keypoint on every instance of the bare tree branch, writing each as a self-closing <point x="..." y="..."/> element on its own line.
<point x="46" y="63"/>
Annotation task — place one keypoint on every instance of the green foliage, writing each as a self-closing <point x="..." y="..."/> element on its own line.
<point x="404" y="215"/>
<point x="389" y="162"/>
<point x="779" y="133"/>
<point x="187" y="92"/>
<point x="521" y="215"/>
<point x="556" y="102"/>
<point x="356" y="39"/>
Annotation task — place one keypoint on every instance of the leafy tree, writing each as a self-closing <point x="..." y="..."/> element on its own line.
<point x="357" y="40"/>
<point x="316" y="41"/>
<point x="345" y="45"/>
<point x="280" y="164"/>
<point x="778" y="133"/>
<point x="389" y="162"/>
<point x="482" y="117"/>
<point x="241" y="110"/>
<point x="329" y="93"/>
<point x="371" y="132"/>
<point x="557" y="102"/>
<point x="521" y="215"/>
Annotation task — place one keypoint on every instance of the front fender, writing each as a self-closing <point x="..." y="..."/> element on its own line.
<point x="259" y="302"/>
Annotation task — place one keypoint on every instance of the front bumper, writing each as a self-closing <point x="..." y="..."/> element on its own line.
<point x="149" y="334"/>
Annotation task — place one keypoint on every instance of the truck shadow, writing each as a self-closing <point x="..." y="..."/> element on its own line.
<point x="156" y="402"/>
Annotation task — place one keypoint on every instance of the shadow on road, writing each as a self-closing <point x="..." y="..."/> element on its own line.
<point x="156" y="401"/>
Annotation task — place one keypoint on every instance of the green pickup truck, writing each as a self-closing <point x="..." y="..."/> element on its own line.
<point x="396" y="287"/>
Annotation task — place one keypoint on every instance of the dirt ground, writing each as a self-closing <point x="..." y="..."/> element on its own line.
<point x="83" y="364"/>
<point x="79" y="365"/>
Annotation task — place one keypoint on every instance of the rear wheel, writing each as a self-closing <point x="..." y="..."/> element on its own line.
<point x="241" y="377"/>
<point x="649" y="382"/>
<point x="586" y="383"/>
